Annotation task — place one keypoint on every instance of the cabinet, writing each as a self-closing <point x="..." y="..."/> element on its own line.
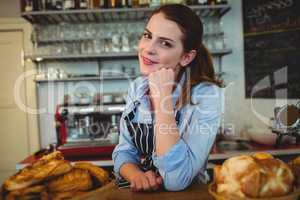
<point x="98" y="46"/>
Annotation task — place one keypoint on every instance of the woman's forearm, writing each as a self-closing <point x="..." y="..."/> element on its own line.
<point x="166" y="131"/>
<point x="129" y="171"/>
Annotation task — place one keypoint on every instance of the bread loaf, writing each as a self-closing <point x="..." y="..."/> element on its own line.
<point x="254" y="176"/>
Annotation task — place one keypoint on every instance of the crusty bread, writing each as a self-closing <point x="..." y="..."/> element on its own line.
<point x="295" y="167"/>
<point x="95" y="171"/>
<point x="52" y="177"/>
<point x="47" y="167"/>
<point x="253" y="176"/>
<point x="36" y="189"/>
<point x="75" y="180"/>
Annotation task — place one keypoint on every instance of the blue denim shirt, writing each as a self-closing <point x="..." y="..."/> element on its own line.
<point x="198" y="125"/>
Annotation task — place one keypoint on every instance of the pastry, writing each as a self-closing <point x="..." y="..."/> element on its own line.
<point x="26" y="193"/>
<point x="47" y="167"/>
<point x="95" y="171"/>
<point x="295" y="167"/>
<point x="254" y="176"/>
<point x="75" y="180"/>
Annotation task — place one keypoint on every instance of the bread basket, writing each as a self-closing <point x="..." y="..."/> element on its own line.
<point x="212" y="191"/>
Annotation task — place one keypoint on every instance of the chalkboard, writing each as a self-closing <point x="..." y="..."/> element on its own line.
<point x="272" y="48"/>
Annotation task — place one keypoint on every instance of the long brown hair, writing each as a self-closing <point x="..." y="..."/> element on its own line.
<point x="201" y="68"/>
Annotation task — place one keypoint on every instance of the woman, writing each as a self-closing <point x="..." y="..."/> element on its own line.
<point x="173" y="110"/>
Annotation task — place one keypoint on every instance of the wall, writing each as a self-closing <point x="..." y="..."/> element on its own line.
<point x="238" y="110"/>
<point x="10" y="20"/>
<point x="10" y="8"/>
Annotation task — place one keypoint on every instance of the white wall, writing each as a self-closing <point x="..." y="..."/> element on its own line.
<point x="238" y="110"/>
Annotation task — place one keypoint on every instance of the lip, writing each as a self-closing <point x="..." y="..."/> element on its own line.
<point x="148" y="61"/>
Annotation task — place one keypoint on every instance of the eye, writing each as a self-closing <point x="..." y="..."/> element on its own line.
<point x="146" y="35"/>
<point x="165" y="43"/>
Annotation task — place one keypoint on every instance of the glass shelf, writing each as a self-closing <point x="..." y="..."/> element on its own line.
<point x="75" y="79"/>
<point x="80" y="57"/>
<point x="110" y="15"/>
<point x="41" y="58"/>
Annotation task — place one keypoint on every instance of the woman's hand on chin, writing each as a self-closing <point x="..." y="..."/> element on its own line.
<point x="161" y="83"/>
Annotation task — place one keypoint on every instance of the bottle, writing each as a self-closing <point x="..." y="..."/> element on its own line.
<point x="114" y="131"/>
<point x="58" y="4"/>
<point x="123" y="3"/>
<point x="95" y="4"/>
<point x="68" y="4"/>
<point x="77" y="4"/>
<point x="191" y="2"/>
<point x="202" y="2"/>
<point x="154" y="3"/>
<point x="83" y="4"/>
<point x="118" y="4"/>
<point x="37" y="5"/>
<point x="224" y="2"/>
<point x="111" y="3"/>
<point x="212" y="2"/>
<point x="128" y="3"/>
<point x="28" y="6"/>
<point x="48" y="5"/>
<point x="135" y="3"/>
<point x="103" y="3"/>
<point x="143" y="3"/>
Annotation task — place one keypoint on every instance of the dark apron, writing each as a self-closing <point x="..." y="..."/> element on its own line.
<point x="142" y="136"/>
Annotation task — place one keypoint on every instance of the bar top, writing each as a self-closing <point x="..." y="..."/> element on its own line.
<point x="216" y="155"/>
<point x="112" y="192"/>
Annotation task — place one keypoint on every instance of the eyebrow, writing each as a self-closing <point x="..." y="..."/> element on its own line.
<point x="164" y="38"/>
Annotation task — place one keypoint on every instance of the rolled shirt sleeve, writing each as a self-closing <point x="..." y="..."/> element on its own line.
<point x="125" y="151"/>
<point x="188" y="157"/>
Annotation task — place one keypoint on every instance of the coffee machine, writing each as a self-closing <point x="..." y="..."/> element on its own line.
<point x="287" y="122"/>
<point x="87" y="130"/>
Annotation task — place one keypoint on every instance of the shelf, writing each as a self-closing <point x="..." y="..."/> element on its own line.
<point x="66" y="40"/>
<point x="75" y="79"/>
<point x="74" y="57"/>
<point x="72" y="40"/>
<point x="109" y="15"/>
<point x="80" y="57"/>
<point x="78" y="109"/>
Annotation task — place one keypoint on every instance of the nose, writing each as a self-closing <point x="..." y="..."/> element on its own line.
<point x="150" y="48"/>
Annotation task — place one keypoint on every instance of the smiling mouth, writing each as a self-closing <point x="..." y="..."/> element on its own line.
<point x="147" y="61"/>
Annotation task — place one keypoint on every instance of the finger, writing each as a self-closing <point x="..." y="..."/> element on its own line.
<point x="146" y="184"/>
<point x="159" y="180"/>
<point x="132" y="186"/>
<point x="139" y="185"/>
<point x="152" y="181"/>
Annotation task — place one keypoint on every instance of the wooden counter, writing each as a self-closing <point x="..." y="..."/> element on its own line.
<point x="112" y="192"/>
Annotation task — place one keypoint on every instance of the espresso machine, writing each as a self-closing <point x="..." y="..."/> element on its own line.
<point x="87" y="130"/>
<point x="287" y="122"/>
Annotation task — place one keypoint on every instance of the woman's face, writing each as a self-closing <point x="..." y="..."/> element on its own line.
<point x="160" y="46"/>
